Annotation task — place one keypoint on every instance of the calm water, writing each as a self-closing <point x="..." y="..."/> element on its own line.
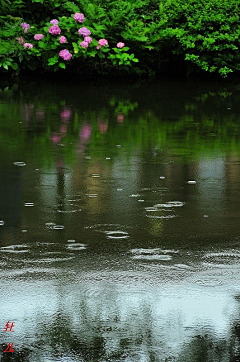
<point x="119" y="222"/>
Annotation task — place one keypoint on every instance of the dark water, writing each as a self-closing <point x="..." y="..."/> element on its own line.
<point x="119" y="222"/>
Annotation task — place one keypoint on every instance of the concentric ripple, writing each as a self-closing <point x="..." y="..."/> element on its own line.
<point x="156" y="254"/>
<point x="116" y="234"/>
<point x="158" y="211"/>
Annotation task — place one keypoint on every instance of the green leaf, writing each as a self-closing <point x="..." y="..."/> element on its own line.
<point x="5" y="66"/>
<point x="62" y="65"/>
<point x="14" y="66"/>
<point x="31" y="66"/>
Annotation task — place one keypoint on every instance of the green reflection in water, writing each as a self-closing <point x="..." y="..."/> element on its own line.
<point x="185" y="120"/>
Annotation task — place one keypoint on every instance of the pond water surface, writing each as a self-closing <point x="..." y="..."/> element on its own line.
<point x="119" y="222"/>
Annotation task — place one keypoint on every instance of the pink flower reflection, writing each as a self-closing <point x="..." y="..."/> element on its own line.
<point x="120" y="118"/>
<point x="84" y="136"/>
<point x="66" y="114"/>
<point x="85" y="132"/>
<point x="102" y="126"/>
<point x="56" y="138"/>
<point x="63" y="128"/>
<point x="40" y="115"/>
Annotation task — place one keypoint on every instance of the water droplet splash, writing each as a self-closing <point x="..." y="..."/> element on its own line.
<point x="19" y="163"/>
<point x="30" y="204"/>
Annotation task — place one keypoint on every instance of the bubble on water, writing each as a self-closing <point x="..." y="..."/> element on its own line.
<point x="156" y="254"/>
<point x="24" y="231"/>
<point x="37" y="169"/>
<point x="162" y="177"/>
<point x="191" y="182"/>
<point x="88" y="157"/>
<point x="71" y="241"/>
<point x="29" y="204"/>
<point x="117" y="234"/>
<point x="68" y="211"/>
<point x="161" y="216"/>
<point x="143" y="251"/>
<point x="49" y="224"/>
<point x="119" y="189"/>
<point x="1" y="222"/>
<point x="19" y="163"/>
<point x="118" y="146"/>
<point x="58" y="227"/>
<point x="108" y="158"/>
<point x="134" y="195"/>
<point x="153" y="257"/>
<point x="76" y="246"/>
<point x="167" y="205"/>
<point x="92" y="195"/>
<point x="95" y="175"/>
<point x="176" y="203"/>
<point x="205" y="215"/>
<point x="15" y="248"/>
<point x="141" y="200"/>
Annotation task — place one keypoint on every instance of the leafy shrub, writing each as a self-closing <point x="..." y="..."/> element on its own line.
<point x="205" y="32"/>
<point x="201" y="34"/>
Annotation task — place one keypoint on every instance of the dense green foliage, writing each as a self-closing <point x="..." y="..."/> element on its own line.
<point x="160" y="35"/>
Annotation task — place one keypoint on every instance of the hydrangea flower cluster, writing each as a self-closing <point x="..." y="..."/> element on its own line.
<point x="84" y="44"/>
<point x="88" y="39"/>
<point x="84" y="31"/>
<point x="65" y="54"/>
<point x="120" y="45"/>
<point x="38" y="36"/>
<point x="54" y="30"/>
<point x="62" y="40"/>
<point x="54" y="22"/>
<point x="25" y="26"/>
<point x="79" y="17"/>
<point x="102" y="43"/>
<point x="28" y="45"/>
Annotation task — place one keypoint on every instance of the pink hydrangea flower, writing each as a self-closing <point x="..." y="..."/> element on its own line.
<point x="28" y="45"/>
<point x="98" y="47"/>
<point x="38" y="36"/>
<point x="79" y="17"/>
<point x="62" y="39"/>
<point x="54" y="30"/>
<point x="25" y="26"/>
<point x="65" y="54"/>
<point x="120" y="45"/>
<point x="21" y="40"/>
<point x="102" y="42"/>
<point x="54" y="22"/>
<point x="84" y="44"/>
<point x="88" y="39"/>
<point x="84" y="31"/>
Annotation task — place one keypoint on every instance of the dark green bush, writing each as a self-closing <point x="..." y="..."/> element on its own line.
<point x="196" y="35"/>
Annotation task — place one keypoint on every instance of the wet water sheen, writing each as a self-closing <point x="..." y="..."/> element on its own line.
<point x="119" y="222"/>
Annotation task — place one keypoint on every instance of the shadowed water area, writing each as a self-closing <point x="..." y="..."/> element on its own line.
<point x="119" y="222"/>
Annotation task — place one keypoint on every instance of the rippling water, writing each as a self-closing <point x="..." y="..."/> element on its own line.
<point x="119" y="238"/>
